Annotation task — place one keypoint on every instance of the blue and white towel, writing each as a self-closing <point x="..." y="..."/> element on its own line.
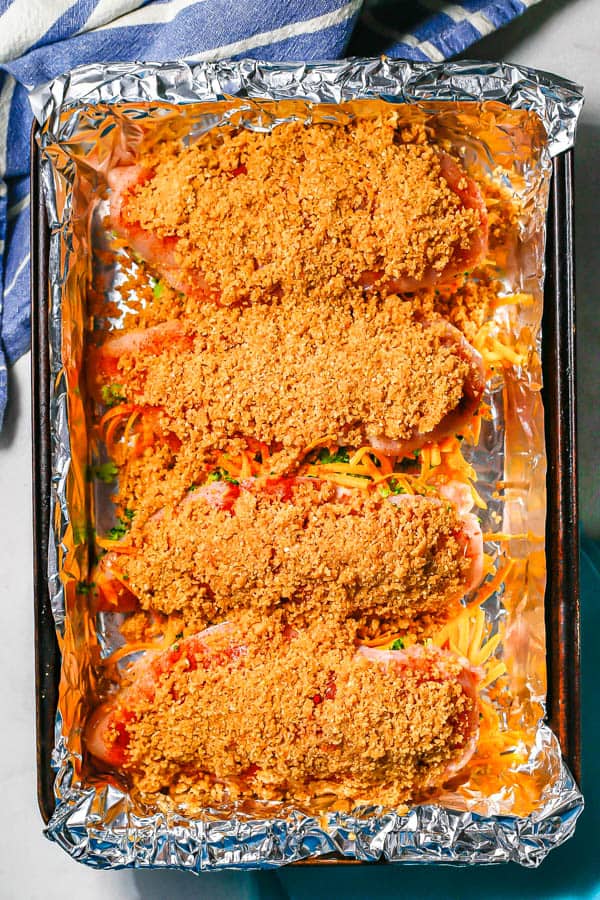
<point x="39" y="40"/>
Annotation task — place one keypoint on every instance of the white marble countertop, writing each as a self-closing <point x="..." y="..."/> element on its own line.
<point x="558" y="36"/>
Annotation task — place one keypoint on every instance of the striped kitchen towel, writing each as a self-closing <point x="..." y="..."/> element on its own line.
<point x="40" y="39"/>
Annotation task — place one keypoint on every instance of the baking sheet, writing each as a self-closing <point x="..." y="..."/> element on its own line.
<point x="370" y="833"/>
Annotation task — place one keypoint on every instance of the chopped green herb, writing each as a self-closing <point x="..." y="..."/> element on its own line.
<point x="113" y="394"/>
<point x="416" y="453"/>
<point x="391" y="486"/>
<point x="106" y="472"/>
<point x="119" y="530"/>
<point x="158" y="290"/>
<point x="179" y="635"/>
<point x="398" y="644"/>
<point x="341" y="455"/>
<point x="83" y="587"/>
<point x="129" y="514"/>
<point x="220" y="475"/>
<point x="194" y="487"/>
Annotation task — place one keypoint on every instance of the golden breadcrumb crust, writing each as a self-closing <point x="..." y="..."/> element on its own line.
<point x="296" y="714"/>
<point x="357" y="555"/>
<point x="303" y="209"/>
<point x="289" y="373"/>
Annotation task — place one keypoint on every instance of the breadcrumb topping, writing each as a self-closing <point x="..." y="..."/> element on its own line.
<point x="284" y="713"/>
<point x="288" y="373"/>
<point x="304" y="209"/>
<point x="357" y="555"/>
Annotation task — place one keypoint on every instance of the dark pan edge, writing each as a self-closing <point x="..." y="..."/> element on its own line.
<point x="47" y="654"/>
<point x="562" y="530"/>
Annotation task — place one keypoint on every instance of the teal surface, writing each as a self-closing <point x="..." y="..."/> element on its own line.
<point x="571" y="871"/>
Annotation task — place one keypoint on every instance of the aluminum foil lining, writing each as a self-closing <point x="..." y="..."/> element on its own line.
<point x="556" y="101"/>
<point x="96" y="821"/>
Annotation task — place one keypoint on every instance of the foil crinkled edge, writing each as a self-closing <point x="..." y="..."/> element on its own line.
<point x="556" y="100"/>
<point x="101" y="828"/>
